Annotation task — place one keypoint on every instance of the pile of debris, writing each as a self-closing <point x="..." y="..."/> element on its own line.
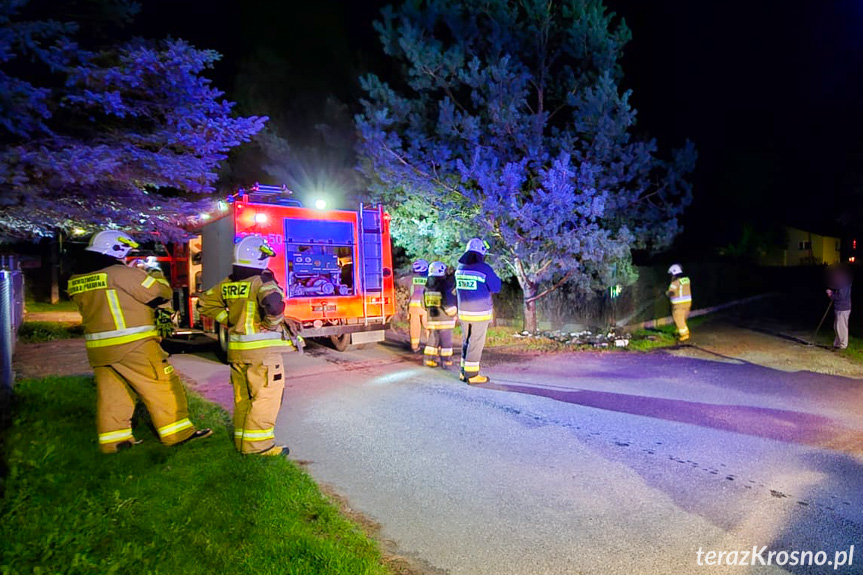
<point x="587" y="338"/>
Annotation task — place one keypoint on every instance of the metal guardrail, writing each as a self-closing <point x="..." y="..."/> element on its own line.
<point x="11" y="316"/>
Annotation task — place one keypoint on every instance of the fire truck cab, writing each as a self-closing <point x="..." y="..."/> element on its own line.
<point x="335" y="266"/>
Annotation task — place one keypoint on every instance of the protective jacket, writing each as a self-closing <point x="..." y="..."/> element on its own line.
<point x="475" y="282"/>
<point x="680" y="290"/>
<point x="440" y="301"/>
<point x="117" y="305"/>
<point x="418" y="283"/>
<point x="252" y="304"/>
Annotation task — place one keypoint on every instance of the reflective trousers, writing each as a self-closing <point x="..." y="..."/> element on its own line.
<point x="473" y="341"/>
<point x="258" y="388"/>
<point x="146" y="373"/>
<point x="439" y="344"/>
<point x="419" y="325"/>
<point x="679" y="313"/>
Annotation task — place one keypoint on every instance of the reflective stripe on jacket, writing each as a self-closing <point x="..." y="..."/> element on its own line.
<point x="114" y="311"/>
<point x="418" y="284"/>
<point x="475" y="282"/>
<point x="680" y="290"/>
<point x="240" y="304"/>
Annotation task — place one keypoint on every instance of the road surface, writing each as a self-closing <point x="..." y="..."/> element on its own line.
<point x="586" y="463"/>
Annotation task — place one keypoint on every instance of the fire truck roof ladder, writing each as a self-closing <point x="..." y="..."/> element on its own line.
<point x="372" y="256"/>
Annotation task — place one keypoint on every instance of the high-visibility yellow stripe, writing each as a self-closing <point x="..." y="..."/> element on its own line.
<point x="114" y="306"/>
<point x="441" y="324"/>
<point x="475" y="316"/>
<point x="222" y="317"/>
<point x="119" y="340"/>
<point x="148" y="282"/>
<point x="115" y="436"/>
<point x="681" y="299"/>
<point x="250" y="317"/>
<point x="445" y="351"/>
<point x="172" y="428"/>
<point x="417" y="303"/>
<point x="255" y="434"/>
<point x="241" y="345"/>
<point x="430" y="350"/>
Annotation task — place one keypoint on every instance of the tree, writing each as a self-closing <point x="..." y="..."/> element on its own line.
<point x="508" y="123"/>
<point x="127" y="135"/>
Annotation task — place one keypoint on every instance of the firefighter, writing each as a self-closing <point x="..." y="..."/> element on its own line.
<point x="416" y="311"/>
<point x="439" y="300"/>
<point x="680" y="294"/>
<point x="117" y="304"/>
<point x="475" y="282"/>
<point x="251" y="303"/>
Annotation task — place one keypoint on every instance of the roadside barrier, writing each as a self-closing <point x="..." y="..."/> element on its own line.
<point x="11" y="316"/>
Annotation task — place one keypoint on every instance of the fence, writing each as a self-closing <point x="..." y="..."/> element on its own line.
<point x="11" y="317"/>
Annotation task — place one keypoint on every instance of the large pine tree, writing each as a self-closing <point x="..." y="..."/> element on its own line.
<point x="105" y="134"/>
<point x="508" y="122"/>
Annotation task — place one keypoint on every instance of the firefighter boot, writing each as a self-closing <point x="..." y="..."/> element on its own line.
<point x="199" y="434"/>
<point x="431" y="363"/>
<point x="275" y="451"/>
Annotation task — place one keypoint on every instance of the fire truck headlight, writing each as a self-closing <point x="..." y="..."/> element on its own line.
<point x="260" y="218"/>
<point x="321" y="204"/>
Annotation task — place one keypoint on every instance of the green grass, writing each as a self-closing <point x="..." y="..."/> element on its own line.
<point x="63" y="305"/>
<point x="199" y="508"/>
<point x="662" y="336"/>
<point x="41" y="331"/>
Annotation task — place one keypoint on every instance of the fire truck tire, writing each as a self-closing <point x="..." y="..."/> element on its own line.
<point x="222" y="348"/>
<point x="341" y="342"/>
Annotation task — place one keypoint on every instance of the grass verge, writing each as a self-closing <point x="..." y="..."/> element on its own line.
<point x="199" y="508"/>
<point x="42" y="331"/>
<point x="40" y="307"/>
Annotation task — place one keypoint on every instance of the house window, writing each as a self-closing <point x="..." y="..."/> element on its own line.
<point x="807" y="245"/>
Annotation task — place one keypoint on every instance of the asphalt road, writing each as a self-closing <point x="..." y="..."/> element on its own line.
<point x="583" y="463"/>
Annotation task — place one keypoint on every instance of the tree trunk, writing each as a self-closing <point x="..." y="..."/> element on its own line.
<point x="529" y="308"/>
<point x="528" y="288"/>
<point x="56" y="249"/>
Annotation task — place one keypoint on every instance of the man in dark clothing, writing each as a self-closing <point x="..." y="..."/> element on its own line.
<point x="839" y="291"/>
<point x="475" y="282"/>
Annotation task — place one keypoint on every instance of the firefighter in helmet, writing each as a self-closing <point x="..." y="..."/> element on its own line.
<point x="251" y="303"/>
<point x="439" y="300"/>
<point x="117" y="304"/>
<point x="680" y="294"/>
<point x="416" y="312"/>
<point x="475" y="282"/>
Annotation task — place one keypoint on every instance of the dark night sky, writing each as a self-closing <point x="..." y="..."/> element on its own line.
<point x="769" y="91"/>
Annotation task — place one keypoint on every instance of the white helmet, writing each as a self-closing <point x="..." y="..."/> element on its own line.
<point x="112" y="243"/>
<point x="252" y="252"/>
<point x="437" y="269"/>
<point x="477" y="245"/>
<point x="675" y="269"/>
<point x="420" y="266"/>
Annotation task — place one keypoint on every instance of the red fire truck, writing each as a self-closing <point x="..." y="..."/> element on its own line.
<point x="334" y="265"/>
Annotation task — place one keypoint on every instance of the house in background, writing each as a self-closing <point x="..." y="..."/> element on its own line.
<point x="804" y="248"/>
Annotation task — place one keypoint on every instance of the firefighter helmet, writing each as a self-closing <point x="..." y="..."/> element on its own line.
<point x="437" y="269"/>
<point x="252" y="252"/>
<point x="420" y="266"/>
<point x="675" y="269"/>
<point x="477" y="245"/>
<point x="112" y="243"/>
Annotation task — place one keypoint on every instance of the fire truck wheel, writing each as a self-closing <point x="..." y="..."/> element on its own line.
<point x="222" y="348"/>
<point x="341" y="342"/>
